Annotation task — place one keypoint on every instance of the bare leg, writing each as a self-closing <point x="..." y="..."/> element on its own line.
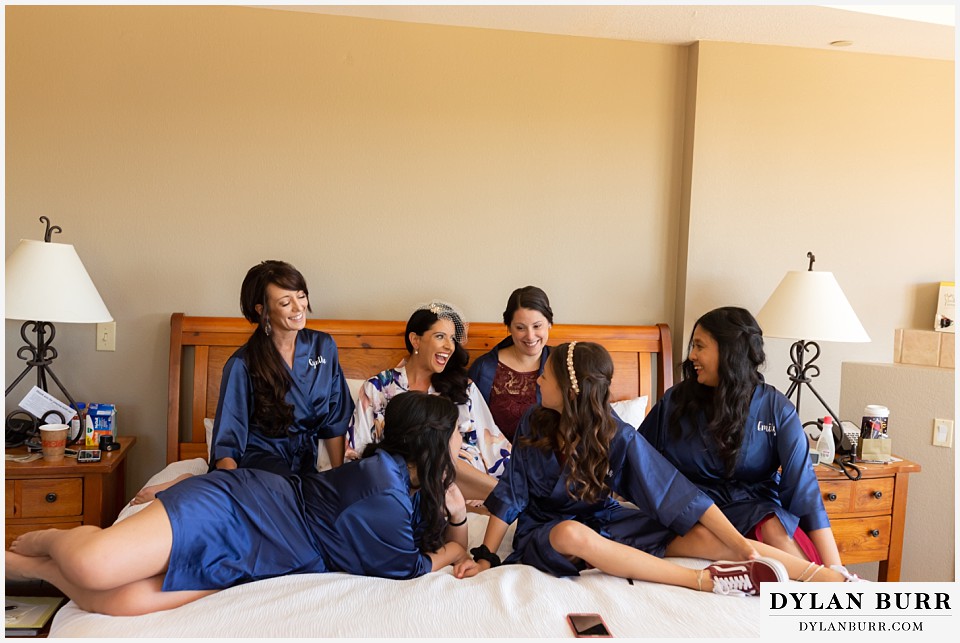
<point x="576" y="540"/>
<point x="776" y="536"/>
<point x="473" y="483"/>
<point x="699" y="542"/>
<point x="137" y="548"/>
<point x="139" y="597"/>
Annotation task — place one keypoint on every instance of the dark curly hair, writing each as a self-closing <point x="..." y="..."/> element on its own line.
<point x="268" y="374"/>
<point x="582" y="432"/>
<point x="417" y="427"/>
<point x="452" y="381"/>
<point x="740" y="343"/>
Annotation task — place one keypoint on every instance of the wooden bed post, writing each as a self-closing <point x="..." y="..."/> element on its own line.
<point x="173" y="388"/>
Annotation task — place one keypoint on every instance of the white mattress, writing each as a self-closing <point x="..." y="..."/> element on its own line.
<point x="509" y="601"/>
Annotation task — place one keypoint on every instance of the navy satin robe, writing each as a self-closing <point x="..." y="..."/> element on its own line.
<point x="242" y="525"/>
<point x="322" y="408"/>
<point x="773" y="474"/>
<point x="533" y="491"/>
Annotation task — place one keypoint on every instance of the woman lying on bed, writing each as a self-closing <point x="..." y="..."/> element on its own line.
<point x="507" y="375"/>
<point x="437" y="363"/>
<point x="740" y="440"/>
<point x="282" y="391"/>
<point x="571" y="454"/>
<point x="381" y="516"/>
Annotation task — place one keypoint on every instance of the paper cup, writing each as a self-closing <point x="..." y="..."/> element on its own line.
<point x="53" y="440"/>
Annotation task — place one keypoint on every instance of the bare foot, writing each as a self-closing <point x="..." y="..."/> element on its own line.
<point x="22" y="568"/>
<point x="33" y="543"/>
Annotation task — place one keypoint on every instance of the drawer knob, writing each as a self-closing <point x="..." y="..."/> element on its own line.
<point x="878" y="494"/>
<point x="874" y="532"/>
<point x="51" y="497"/>
<point x="831" y="497"/>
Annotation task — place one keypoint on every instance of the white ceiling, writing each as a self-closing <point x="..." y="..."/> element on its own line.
<point x="790" y="25"/>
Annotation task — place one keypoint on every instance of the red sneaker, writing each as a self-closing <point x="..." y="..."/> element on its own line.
<point x="743" y="578"/>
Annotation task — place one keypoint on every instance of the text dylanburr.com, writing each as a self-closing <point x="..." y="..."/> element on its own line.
<point x="794" y="610"/>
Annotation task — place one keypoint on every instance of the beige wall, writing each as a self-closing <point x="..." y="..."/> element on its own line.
<point x="850" y="156"/>
<point x="915" y="395"/>
<point x="394" y="162"/>
<point x="390" y="162"/>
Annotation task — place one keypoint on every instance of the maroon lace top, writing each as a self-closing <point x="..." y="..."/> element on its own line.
<point x="511" y="394"/>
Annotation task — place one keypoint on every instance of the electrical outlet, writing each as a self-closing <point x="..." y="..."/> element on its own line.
<point x="107" y="336"/>
<point x="942" y="433"/>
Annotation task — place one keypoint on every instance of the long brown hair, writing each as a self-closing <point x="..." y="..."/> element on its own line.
<point x="417" y="427"/>
<point x="582" y="432"/>
<point x="269" y="376"/>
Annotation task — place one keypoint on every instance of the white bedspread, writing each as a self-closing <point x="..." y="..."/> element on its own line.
<point x="509" y="601"/>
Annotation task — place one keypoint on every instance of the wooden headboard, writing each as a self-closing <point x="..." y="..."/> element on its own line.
<point x="200" y="346"/>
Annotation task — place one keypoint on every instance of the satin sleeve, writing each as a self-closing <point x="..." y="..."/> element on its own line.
<point x="341" y="409"/>
<point x="799" y="489"/>
<point x="379" y="530"/>
<point x="512" y="493"/>
<point x="366" y="425"/>
<point x="649" y="481"/>
<point x="231" y="427"/>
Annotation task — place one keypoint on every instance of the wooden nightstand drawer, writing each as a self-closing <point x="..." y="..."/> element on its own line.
<point x="836" y="495"/>
<point x="862" y="540"/>
<point x="45" y="498"/>
<point x="874" y="495"/>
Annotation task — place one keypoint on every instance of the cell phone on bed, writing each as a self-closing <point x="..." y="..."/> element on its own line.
<point x="588" y="626"/>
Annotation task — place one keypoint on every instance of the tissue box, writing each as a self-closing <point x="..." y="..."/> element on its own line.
<point x="945" y="319"/>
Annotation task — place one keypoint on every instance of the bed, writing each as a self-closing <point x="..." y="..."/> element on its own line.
<point x="508" y="601"/>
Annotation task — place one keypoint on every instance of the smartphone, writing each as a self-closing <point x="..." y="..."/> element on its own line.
<point x="88" y="455"/>
<point x="588" y="626"/>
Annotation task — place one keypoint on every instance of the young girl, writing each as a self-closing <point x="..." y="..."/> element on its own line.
<point x="570" y="456"/>
<point x="740" y="440"/>
<point x="394" y="514"/>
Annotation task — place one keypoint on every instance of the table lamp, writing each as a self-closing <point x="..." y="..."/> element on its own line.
<point x="809" y="306"/>
<point x="45" y="283"/>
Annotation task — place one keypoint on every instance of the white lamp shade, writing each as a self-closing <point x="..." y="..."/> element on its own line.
<point x="809" y="305"/>
<point x="47" y="282"/>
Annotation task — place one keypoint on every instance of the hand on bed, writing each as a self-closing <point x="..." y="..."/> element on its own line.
<point x="469" y="567"/>
<point x="147" y="494"/>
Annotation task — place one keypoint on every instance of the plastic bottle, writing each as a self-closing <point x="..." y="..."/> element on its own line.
<point x="77" y="422"/>
<point x="825" y="446"/>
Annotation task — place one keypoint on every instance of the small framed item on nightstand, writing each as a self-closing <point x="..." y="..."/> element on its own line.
<point x="946" y="309"/>
<point x="88" y="455"/>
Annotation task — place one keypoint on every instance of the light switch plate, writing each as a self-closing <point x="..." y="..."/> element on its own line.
<point x="942" y="433"/>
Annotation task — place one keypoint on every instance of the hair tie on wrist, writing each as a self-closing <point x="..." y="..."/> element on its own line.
<point x="483" y="553"/>
<point x="457" y="524"/>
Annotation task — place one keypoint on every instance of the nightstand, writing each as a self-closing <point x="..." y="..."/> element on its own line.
<point x="867" y="515"/>
<point x="65" y="494"/>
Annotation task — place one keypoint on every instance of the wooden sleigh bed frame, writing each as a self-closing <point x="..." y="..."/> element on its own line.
<point x="200" y="346"/>
<point x="509" y="601"/>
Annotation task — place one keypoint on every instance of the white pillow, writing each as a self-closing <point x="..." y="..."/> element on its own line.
<point x="208" y="427"/>
<point x="632" y="411"/>
<point x="196" y="466"/>
<point x="354" y="386"/>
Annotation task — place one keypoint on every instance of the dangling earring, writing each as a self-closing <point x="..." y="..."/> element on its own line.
<point x="416" y="352"/>
<point x="266" y="327"/>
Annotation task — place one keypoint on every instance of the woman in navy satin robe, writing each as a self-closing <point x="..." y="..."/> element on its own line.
<point x="283" y="391"/>
<point x="571" y="455"/>
<point x="741" y="441"/>
<point x="393" y="514"/>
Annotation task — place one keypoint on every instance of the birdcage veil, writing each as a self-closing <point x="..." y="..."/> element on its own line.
<point x="451" y="313"/>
